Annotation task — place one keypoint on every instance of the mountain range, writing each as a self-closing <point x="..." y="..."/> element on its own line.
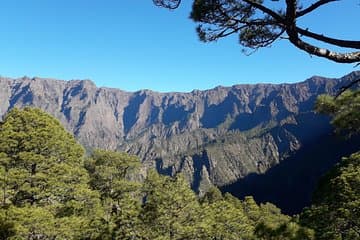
<point x="262" y="139"/>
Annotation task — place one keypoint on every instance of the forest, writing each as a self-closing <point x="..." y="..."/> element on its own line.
<point x="52" y="189"/>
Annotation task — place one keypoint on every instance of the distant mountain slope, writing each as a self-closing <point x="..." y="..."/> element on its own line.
<point x="216" y="136"/>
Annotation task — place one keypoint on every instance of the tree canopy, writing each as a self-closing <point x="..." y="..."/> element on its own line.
<point x="44" y="187"/>
<point x="335" y="212"/>
<point x="344" y="110"/>
<point x="260" y="23"/>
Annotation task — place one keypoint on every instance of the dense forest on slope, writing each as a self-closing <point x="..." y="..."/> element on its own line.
<point x="236" y="138"/>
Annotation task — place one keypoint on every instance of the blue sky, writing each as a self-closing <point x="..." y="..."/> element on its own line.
<point x="134" y="45"/>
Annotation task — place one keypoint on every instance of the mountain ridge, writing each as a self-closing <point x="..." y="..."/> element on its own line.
<point x="4" y="78"/>
<point x="214" y="136"/>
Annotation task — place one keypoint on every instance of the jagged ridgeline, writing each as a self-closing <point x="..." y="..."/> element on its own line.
<point x="248" y="139"/>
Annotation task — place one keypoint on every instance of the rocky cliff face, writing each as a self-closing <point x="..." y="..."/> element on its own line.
<point x="214" y="137"/>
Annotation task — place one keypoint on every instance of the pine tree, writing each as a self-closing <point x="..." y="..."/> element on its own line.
<point x="170" y="209"/>
<point x="335" y="212"/>
<point x="45" y="191"/>
<point x="111" y="174"/>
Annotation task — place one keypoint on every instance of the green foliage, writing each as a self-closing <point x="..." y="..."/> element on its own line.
<point x="43" y="180"/>
<point x="110" y="171"/>
<point x="170" y="208"/>
<point x="335" y="213"/>
<point x="223" y="219"/>
<point x="33" y="222"/>
<point x="220" y="19"/>
<point x="270" y="224"/>
<point x="35" y="153"/>
<point x="344" y="110"/>
<point x="171" y="211"/>
<point x="110" y="174"/>
<point x="289" y="230"/>
<point x="212" y="195"/>
<point x="128" y="224"/>
<point x="6" y="226"/>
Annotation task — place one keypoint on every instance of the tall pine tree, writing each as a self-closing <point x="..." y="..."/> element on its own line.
<point x="45" y="191"/>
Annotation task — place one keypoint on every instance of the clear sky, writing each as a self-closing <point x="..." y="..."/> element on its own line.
<point x="132" y="45"/>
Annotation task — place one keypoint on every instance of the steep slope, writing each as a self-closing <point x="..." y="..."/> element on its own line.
<point x="216" y="136"/>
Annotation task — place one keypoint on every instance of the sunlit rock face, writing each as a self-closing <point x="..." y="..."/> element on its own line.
<point x="216" y="136"/>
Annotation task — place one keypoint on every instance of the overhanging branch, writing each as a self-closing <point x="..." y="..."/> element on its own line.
<point x="351" y="57"/>
<point x="224" y="22"/>
<point x="312" y="7"/>
<point x="333" y="41"/>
